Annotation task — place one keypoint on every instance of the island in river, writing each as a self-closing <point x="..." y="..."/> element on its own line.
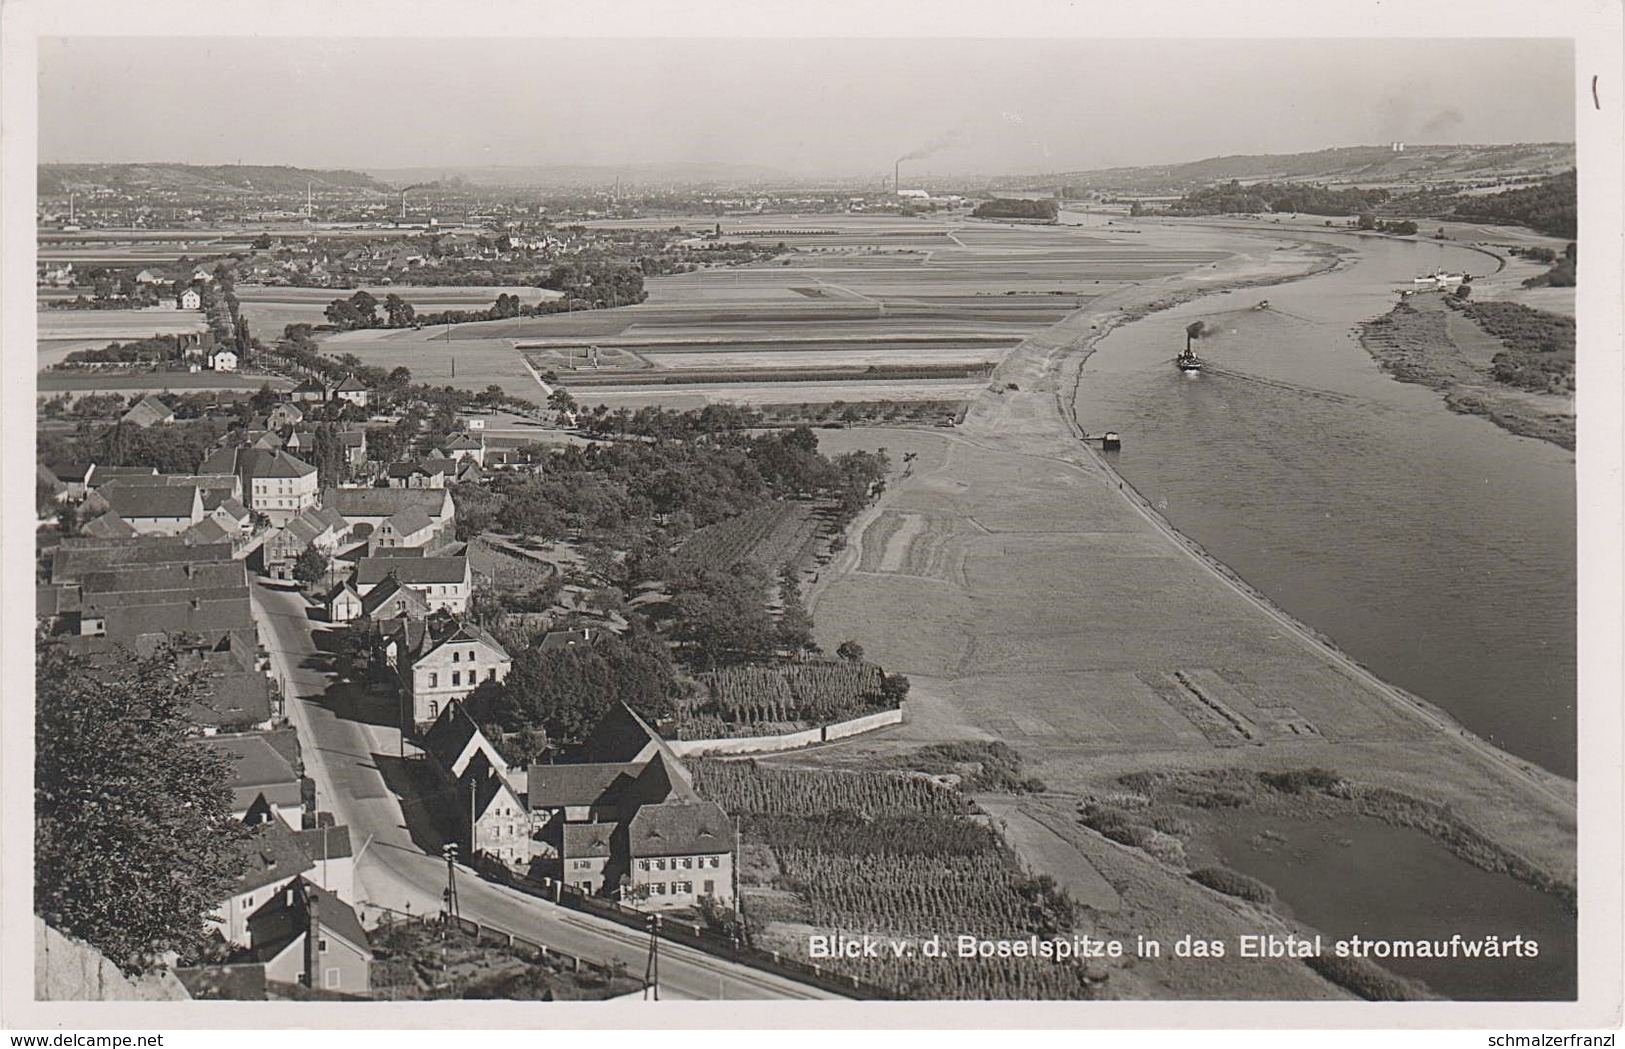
<point x="1033" y="597"/>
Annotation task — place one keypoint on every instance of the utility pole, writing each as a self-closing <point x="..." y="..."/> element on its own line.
<point x="651" y="971"/>
<point x="450" y="852"/>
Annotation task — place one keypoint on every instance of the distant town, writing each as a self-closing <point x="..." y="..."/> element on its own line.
<point x="458" y="589"/>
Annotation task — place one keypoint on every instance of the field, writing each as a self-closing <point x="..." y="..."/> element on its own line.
<point x="61" y="332"/>
<point x="897" y="295"/>
<point x="891" y="855"/>
<point x="270" y="309"/>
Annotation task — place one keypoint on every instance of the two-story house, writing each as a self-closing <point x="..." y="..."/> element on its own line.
<point x="305" y="935"/>
<point x="444" y="582"/>
<point x="445" y="660"/>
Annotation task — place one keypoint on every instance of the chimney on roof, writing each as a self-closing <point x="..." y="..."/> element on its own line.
<point x="313" y="938"/>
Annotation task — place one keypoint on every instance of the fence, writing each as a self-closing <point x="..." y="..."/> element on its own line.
<point x="790" y="740"/>
<point x="491" y="936"/>
<point x="691" y="934"/>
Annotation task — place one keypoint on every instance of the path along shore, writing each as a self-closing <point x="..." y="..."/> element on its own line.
<point x="1033" y="596"/>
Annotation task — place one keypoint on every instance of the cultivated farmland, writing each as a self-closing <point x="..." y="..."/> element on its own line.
<point x="864" y="308"/>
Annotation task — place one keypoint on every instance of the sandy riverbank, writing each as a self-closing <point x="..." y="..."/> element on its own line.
<point x="1424" y="341"/>
<point x="1032" y="597"/>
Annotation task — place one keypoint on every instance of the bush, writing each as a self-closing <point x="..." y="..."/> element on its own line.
<point x="1233" y="883"/>
<point x="1365" y="978"/>
<point x="1297" y="781"/>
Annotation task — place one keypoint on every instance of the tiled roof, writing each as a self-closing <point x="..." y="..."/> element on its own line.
<point x="148" y="412"/>
<point x="389" y="589"/>
<point x="208" y="575"/>
<point x="449" y="734"/>
<point x="207" y="531"/>
<point x="555" y="786"/>
<point x="385" y="502"/>
<point x="327" y="843"/>
<point x="102" y="474"/>
<point x="679" y="828"/>
<point x="234" y="700"/>
<point x="587" y="840"/>
<point x="256" y="768"/>
<point x="206" y="618"/>
<point x="272" y="853"/>
<point x="412" y="570"/>
<point x="79" y="556"/>
<point x="466" y="631"/>
<point x="350" y="385"/>
<point x="410" y="521"/>
<point x="429" y="467"/>
<point x="108" y="526"/>
<point x="281" y="921"/>
<point x="281" y="464"/>
<point x="145" y="502"/>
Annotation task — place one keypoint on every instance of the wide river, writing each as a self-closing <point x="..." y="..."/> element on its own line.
<point x="1435" y="548"/>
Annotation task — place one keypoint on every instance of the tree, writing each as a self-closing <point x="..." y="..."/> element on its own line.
<point x="134" y="842"/>
<point x="850" y="650"/>
<point x="398" y="310"/>
<point x="1367" y="220"/>
<point x="264" y="399"/>
<point x="561" y="401"/>
<point x="894" y="687"/>
<point x="310" y="566"/>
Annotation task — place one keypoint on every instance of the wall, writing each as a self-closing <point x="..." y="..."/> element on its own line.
<point x="789" y="741"/>
<point x="69" y="970"/>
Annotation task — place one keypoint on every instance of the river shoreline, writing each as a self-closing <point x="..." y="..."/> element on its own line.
<point x="1412" y="343"/>
<point x="1440" y="718"/>
<point x="1035" y="418"/>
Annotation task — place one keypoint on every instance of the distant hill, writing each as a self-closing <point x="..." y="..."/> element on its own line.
<point x="194" y="180"/>
<point x="574" y="176"/>
<point x="1350" y="165"/>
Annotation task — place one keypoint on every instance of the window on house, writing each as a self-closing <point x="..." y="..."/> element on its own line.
<point x="456" y="657"/>
<point x="471" y="655"/>
<point x="710" y="887"/>
<point x="643" y="865"/>
<point x="688" y="864"/>
<point x="456" y="678"/>
<point x="660" y="865"/>
<point x="321" y="946"/>
<point x="434" y="709"/>
<point x="332" y="979"/>
<point x="491" y="674"/>
<point x="434" y="679"/>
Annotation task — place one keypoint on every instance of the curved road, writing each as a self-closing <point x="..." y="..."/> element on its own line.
<point x="354" y="756"/>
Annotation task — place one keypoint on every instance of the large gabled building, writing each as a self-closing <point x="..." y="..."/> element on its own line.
<point x="629" y="824"/>
<point x="277" y="485"/>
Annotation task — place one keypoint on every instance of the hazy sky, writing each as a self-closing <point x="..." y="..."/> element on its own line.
<point x="803" y="106"/>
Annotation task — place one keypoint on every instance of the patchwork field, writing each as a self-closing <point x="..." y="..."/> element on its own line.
<point x="270" y="309"/>
<point x="926" y="304"/>
<point x="61" y="332"/>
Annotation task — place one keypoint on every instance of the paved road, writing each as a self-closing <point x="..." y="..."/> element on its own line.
<point x="354" y="756"/>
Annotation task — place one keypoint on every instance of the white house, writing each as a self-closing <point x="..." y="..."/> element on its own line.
<point x="223" y="360"/>
<point x="189" y="300"/>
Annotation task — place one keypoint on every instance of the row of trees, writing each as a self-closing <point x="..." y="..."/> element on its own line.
<point x="1308" y="198"/>
<point x="1030" y="210"/>
<point x="1550" y="207"/>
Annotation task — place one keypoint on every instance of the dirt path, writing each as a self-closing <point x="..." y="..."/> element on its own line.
<point x="1081" y="611"/>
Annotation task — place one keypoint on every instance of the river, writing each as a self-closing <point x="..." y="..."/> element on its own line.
<point x="1435" y="548"/>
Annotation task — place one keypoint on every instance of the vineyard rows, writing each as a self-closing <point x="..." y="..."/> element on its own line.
<point x="890" y="855"/>
<point x="727" y="543"/>
<point x="816" y="691"/>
